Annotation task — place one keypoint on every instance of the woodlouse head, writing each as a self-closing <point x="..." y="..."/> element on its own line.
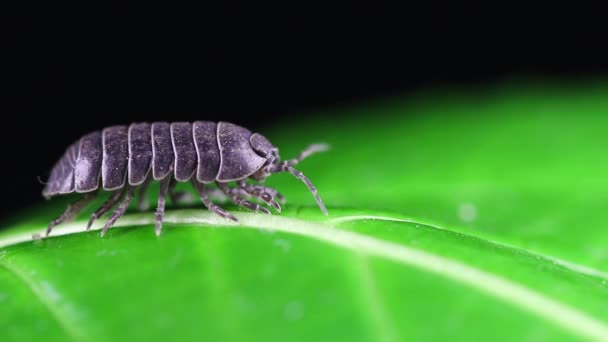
<point x="264" y="148"/>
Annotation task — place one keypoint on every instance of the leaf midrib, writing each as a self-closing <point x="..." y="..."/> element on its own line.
<point x="574" y="267"/>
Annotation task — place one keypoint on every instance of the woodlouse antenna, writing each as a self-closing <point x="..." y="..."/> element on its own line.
<point x="299" y="175"/>
<point x="310" y="150"/>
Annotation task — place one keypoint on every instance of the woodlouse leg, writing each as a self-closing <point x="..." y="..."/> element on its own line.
<point x="259" y="192"/>
<point x="179" y="197"/>
<point x="310" y="150"/>
<point x="122" y="207"/>
<point x="105" y="207"/>
<point x="160" y="207"/>
<point x="241" y="201"/>
<point x="273" y="192"/>
<point x="142" y="200"/>
<point x="200" y="188"/>
<point x="71" y="211"/>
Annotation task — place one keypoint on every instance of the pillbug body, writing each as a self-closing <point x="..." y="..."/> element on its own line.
<point x="122" y="158"/>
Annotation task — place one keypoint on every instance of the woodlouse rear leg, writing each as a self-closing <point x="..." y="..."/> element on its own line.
<point x="241" y="201"/>
<point x="261" y="193"/>
<point x="200" y="188"/>
<point x="105" y="207"/>
<point x="71" y="211"/>
<point x="122" y="207"/>
<point x="160" y="207"/>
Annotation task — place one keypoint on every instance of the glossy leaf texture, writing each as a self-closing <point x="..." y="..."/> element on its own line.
<point x="461" y="217"/>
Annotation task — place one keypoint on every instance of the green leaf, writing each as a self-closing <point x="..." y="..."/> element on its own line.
<point x="479" y="218"/>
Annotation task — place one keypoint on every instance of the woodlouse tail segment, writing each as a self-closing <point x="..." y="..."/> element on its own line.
<point x="45" y="183"/>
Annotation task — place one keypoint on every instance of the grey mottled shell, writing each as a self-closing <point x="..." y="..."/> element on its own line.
<point x="115" y="157"/>
<point x="185" y="152"/>
<point x="140" y="152"/>
<point x="162" y="150"/>
<point x="205" y="141"/>
<point x="88" y="165"/>
<point x="238" y="160"/>
<point x="213" y="152"/>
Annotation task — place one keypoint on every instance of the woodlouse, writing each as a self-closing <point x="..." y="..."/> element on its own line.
<point x="203" y="152"/>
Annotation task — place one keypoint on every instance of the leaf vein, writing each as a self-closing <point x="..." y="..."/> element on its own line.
<point x="70" y="329"/>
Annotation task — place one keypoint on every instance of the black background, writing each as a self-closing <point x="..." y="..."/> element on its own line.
<point x="66" y="78"/>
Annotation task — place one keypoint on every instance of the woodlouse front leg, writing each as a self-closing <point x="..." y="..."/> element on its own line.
<point x="241" y="201"/>
<point x="261" y="193"/>
<point x="71" y="211"/>
<point x="274" y="193"/>
<point x="200" y="188"/>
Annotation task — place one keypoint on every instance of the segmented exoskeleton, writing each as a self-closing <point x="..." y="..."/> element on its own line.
<point x="202" y="152"/>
